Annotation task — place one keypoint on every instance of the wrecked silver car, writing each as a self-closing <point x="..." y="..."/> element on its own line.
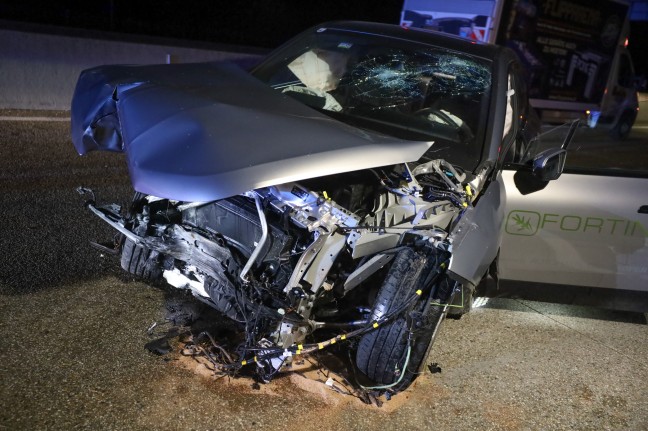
<point x="347" y="190"/>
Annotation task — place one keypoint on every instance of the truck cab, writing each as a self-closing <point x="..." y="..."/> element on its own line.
<point x="576" y="62"/>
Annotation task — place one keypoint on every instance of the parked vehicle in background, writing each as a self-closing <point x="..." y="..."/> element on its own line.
<point x="574" y="53"/>
<point x="346" y="190"/>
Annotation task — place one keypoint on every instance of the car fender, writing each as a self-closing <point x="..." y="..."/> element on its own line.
<point x="477" y="237"/>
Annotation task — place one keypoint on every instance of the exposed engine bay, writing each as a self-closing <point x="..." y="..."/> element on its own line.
<point x="286" y="261"/>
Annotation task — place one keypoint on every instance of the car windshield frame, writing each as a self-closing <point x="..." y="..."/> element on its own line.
<point x="397" y="87"/>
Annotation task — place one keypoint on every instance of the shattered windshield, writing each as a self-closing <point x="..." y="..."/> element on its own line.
<point x="400" y="88"/>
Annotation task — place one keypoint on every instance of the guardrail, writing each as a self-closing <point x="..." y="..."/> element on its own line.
<point x="39" y="68"/>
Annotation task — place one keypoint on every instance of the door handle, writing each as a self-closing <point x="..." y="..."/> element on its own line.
<point x="643" y="209"/>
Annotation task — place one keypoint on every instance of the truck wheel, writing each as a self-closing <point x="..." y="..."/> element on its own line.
<point x="622" y="128"/>
<point x="141" y="261"/>
<point x="385" y="354"/>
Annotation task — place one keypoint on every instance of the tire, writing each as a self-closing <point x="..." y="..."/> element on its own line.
<point x="622" y="128"/>
<point x="141" y="261"/>
<point x="382" y="353"/>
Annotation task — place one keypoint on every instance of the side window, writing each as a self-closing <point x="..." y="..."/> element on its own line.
<point x="594" y="151"/>
<point x="604" y="150"/>
<point x="617" y="145"/>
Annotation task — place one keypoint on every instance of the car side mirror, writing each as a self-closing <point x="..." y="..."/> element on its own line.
<point x="544" y="167"/>
<point x="549" y="164"/>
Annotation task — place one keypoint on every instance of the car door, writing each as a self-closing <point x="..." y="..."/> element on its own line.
<point x="589" y="227"/>
<point x="478" y="234"/>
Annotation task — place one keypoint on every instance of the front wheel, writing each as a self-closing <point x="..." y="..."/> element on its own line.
<point x="141" y="261"/>
<point x="392" y="355"/>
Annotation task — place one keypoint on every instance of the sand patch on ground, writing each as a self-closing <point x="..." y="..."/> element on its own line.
<point x="306" y="375"/>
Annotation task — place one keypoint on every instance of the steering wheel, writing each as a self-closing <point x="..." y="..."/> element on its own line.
<point x="439" y="114"/>
<point x="462" y="129"/>
<point x="313" y="97"/>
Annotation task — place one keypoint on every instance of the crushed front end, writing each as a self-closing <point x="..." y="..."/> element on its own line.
<point x="290" y="260"/>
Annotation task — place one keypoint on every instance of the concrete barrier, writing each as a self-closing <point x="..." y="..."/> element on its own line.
<point x="39" y="70"/>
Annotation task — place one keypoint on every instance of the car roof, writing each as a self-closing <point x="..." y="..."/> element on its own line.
<point x="424" y="36"/>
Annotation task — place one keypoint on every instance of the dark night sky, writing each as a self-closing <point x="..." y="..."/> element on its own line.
<point x="262" y="23"/>
<point x="257" y="23"/>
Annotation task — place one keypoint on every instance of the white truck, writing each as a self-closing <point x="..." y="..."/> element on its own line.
<point x="574" y="51"/>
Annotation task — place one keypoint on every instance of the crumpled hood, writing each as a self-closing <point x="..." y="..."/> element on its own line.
<point x="200" y="132"/>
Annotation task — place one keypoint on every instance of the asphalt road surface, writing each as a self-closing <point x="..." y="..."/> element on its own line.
<point x="73" y="329"/>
